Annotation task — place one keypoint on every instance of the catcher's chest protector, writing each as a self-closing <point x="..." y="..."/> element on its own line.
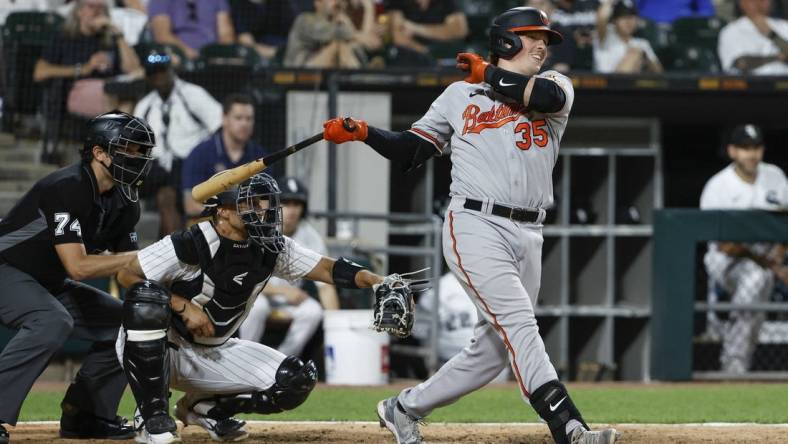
<point x="233" y="274"/>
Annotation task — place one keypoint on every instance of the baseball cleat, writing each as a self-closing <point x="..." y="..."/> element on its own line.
<point x="163" y="430"/>
<point x="404" y="428"/>
<point x="583" y="436"/>
<point x="228" y="429"/>
<point x="3" y="435"/>
<point x="87" y="426"/>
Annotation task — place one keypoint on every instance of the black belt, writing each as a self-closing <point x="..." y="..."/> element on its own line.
<point x="513" y="213"/>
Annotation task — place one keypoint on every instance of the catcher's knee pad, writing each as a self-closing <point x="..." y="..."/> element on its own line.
<point x="146" y="317"/>
<point x="146" y="311"/>
<point x="294" y="381"/>
<point x="553" y="404"/>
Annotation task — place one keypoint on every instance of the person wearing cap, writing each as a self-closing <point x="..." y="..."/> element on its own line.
<point x="616" y="50"/>
<point x="229" y="147"/>
<point x="291" y="298"/>
<point x="754" y="43"/>
<point x="181" y="114"/>
<point x="745" y="271"/>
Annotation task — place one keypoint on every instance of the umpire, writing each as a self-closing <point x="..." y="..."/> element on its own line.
<point x="53" y="238"/>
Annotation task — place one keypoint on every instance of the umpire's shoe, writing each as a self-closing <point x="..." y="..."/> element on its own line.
<point x="227" y="429"/>
<point x="582" y="436"/>
<point x="3" y="435"/>
<point x="81" y="425"/>
<point x="404" y="427"/>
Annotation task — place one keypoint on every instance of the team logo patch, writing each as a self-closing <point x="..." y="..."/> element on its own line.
<point x="477" y="120"/>
<point x="133" y="237"/>
<point x="543" y="17"/>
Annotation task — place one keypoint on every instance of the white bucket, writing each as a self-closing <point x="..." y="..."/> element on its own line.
<point x="355" y="354"/>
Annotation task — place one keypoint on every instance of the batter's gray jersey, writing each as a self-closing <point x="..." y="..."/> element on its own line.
<point x="498" y="150"/>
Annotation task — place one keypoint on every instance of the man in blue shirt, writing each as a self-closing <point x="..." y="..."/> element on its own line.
<point x="227" y="148"/>
<point x="666" y="11"/>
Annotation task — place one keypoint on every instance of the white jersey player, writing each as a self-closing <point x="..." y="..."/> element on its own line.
<point x="746" y="272"/>
<point x="502" y="127"/>
<point x="290" y="297"/>
<point x="208" y="275"/>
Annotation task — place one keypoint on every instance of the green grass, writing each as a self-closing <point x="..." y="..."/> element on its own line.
<point x="762" y="403"/>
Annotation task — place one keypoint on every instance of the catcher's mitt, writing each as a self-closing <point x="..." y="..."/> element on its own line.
<point x="394" y="306"/>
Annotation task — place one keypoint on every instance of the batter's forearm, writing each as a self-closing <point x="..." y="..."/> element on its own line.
<point x="402" y="147"/>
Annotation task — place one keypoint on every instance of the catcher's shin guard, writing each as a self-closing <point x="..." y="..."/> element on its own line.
<point x="553" y="404"/>
<point x="146" y="317"/>
<point x="294" y="381"/>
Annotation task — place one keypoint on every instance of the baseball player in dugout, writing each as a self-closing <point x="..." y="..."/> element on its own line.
<point x="502" y="127"/>
<point x="202" y="282"/>
<point x="292" y="298"/>
<point x="55" y="236"/>
<point x="745" y="271"/>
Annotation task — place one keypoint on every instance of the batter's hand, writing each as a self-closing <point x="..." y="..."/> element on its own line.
<point x="474" y="65"/>
<point x="341" y="130"/>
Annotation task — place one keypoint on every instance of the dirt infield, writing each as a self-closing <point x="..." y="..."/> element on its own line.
<point x="367" y="433"/>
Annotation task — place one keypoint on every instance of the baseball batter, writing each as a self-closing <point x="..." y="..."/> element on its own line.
<point x="746" y="272"/>
<point x="502" y="127"/>
<point x="209" y="275"/>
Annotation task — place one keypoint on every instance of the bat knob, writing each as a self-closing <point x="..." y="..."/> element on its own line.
<point x="349" y="124"/>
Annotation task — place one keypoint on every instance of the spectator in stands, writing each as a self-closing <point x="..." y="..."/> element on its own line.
<point x="559" y="57"/>
<point x="415" y="24"/>
<point x="262" y="25"/>
<point x="191" y="24"/>
<point x="363" y="15"/>
<point x="745" y="271"/>
<point x="578" y="17"/>
<point x="325" y="38"/>
<point x="181" y="114"/>
<point x="666" y="11"/>
<point x="306" y="312"/>
<point x="229" y="147"/>
<point x="755" y="43"/>
<point x="76" y="63"/>
<point x="615" y="47"/>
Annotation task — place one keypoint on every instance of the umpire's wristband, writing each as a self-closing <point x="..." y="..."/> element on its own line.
<point x="507" y="83"/>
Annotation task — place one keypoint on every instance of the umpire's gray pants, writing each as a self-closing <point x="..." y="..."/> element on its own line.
<point x="44" y="322"/>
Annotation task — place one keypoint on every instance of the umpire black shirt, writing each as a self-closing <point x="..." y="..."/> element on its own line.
<point x="65" y="207"/>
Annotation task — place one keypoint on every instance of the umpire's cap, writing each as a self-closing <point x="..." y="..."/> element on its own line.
<point x="504" y="41"/>
<point x="746" y="135"/>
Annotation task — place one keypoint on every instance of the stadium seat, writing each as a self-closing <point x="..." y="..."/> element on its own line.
<point x="697" y="31"/>
<point x="694" y="58"/>
<point x="230" y="55"/>
<point x="25" y="34"/>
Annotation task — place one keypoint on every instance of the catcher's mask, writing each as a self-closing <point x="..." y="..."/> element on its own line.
<point x="259" y="208"/>
<point x="115" y="132"/>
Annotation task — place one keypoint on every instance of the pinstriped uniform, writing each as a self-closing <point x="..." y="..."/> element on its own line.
<point x="501" y="154"/>
<point x="203" y="366"/>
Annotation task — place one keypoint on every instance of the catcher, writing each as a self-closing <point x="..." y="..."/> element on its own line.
<point x="202" y="282"/>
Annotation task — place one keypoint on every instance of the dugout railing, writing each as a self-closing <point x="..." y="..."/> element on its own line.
<point x="675" y="309"/>
<point x="428" y="252"/>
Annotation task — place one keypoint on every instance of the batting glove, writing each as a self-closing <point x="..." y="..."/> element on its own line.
<point x="341" y="130"/>
<point x="474" y="65"/>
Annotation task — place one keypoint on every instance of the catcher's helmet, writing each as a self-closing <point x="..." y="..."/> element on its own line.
<point x="504" y="41"/>
<point x="294" y="189"/>
<point x="114" y="132"/>
<point x="259" y="207"/>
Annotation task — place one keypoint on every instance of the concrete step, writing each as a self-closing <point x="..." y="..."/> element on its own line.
<point x="24" y="170"/>
<point x="18" y="186"/>
<point x="19" y="155"/>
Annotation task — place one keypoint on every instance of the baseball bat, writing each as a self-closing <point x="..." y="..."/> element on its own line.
<point x="224" y="180"/>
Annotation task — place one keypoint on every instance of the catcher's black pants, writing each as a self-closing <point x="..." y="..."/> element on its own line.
<point x="44" y="321"/>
